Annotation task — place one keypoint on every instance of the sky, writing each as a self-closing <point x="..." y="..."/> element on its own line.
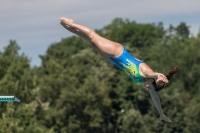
<point x="34" y="24"/>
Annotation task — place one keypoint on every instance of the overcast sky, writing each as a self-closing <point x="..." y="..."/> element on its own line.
<point x="34" y="24"/>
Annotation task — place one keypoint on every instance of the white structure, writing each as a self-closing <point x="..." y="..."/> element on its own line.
<point x="9" y="99"/>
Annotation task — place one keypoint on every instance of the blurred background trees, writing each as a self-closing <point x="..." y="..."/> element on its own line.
<point x="76" y="91"/>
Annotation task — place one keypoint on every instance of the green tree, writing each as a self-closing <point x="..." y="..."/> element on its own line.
<point x="74" y="90"/>
<point x="19" y="79"/>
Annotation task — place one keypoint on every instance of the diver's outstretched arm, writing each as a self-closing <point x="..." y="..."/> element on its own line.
<point x="147" y="72"/>
<point x="156" y="101"/>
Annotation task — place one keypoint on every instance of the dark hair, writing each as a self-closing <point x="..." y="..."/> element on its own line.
<point x="160" y="84"/>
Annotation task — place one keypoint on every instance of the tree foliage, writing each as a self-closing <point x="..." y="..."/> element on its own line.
<point x="75" y="91"/>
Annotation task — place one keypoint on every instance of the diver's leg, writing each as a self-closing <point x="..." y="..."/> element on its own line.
<point x="106" y="46"/>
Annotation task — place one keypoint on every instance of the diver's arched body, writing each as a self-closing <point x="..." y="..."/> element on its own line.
<point x="117" y="54"/>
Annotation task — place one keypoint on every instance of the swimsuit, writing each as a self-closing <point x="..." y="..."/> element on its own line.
<point x="129" y="64"/>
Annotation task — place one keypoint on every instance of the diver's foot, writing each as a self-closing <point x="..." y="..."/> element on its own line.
<point x="164" y="118"/>
<point x="66" y="21"/>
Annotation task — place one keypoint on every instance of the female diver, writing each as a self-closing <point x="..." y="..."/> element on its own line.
<point x="117" y="54"/>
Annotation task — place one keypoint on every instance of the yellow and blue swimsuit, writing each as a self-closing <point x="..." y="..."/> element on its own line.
<point x="129" y="64"/>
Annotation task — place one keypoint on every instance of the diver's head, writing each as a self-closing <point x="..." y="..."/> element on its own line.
<point x="159" y="85"/>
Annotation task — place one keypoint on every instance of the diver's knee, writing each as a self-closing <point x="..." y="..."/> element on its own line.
<point x="91" y="35"/>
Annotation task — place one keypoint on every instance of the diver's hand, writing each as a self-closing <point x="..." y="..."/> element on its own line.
<point x="161" y="77"/>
